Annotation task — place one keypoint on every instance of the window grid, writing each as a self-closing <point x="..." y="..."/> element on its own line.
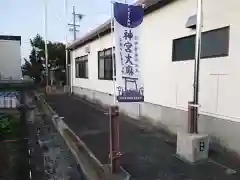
<point x="105" y="66"/>
<point x="81" y="68"/>
<point x="215" y="43"/>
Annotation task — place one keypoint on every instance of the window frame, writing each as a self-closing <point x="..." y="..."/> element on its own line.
<point x="107" y="57"/>
<point x="223" y="54"/>
<point x="81" y="61"/>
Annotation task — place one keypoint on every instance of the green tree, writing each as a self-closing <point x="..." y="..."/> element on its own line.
<point x="34" y="67"/>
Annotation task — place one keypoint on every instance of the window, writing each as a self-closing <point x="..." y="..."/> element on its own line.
<point x="215" y="43"/>
<point x="105" y="66"/>
<point x="82" y="67"/>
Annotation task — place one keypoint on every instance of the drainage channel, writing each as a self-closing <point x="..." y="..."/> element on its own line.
<point x="48" y="146"/>
<point x="91" y="167"/>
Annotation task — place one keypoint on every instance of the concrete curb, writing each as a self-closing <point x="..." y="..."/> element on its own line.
<point x="90" y="165"/>
<point x="72" y="144"/>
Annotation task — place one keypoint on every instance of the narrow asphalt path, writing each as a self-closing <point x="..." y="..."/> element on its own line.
<point x="145" y="155"/>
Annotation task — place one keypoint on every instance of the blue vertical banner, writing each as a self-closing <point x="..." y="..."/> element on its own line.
<point x="128" y="20"/>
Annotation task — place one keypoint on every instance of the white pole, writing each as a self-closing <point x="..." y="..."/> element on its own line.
<point x="71" y="73"/>
<point x="45" y="34"/>
<point x="114" y="91"/>
<point x="113" y="59"/>
<point x="68" y="82"/>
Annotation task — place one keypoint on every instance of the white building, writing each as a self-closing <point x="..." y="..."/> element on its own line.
<point x="10" y="57"/>
<point x="166" y="54"/>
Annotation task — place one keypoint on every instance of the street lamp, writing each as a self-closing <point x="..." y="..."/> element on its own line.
<point x="66" y="42"/>
<point x="194" y="106"/>
<point x="45" y="39"/>
<point x="65" y="21"/>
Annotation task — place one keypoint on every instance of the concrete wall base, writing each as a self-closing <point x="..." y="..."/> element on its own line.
<point x="221" y="131"/>
<point x="66" y="89"/>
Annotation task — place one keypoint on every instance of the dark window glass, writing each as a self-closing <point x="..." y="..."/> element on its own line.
<point x="215" y="43"/>
<point x="101" y="68"/>
<point x="105" y="66"/>
<point x="101" y="53"/>
<point x="108" y="69"/>
<point x="82" y="67"/>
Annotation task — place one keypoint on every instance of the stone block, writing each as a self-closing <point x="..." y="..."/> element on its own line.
<point x="192" y="147"/>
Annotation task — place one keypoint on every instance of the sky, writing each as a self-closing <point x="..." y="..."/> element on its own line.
<point x="25" y="18"/>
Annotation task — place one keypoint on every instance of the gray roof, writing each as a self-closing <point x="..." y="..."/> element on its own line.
<point x="11" y="38"/>
<point x="105" y="28"/>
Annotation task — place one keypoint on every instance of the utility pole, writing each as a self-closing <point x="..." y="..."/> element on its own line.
<point x="74" y="26"/>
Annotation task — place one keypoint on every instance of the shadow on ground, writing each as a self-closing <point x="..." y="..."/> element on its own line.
<point x="146" y="156"/>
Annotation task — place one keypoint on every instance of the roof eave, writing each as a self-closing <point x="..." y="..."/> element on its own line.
<point x="10" y="38"/>
<point x="105" y="28"/>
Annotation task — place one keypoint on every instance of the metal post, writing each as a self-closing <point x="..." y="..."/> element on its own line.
<point x="74" y="24"/>
<point x="66" y="42"/>
<point x="190" y="117"/>
<point x="196" y="64"/>
<point x="114" y="139"/>
<point x="46" y="48"/>
<point x="71" y="75"/>
<point x="114" y="114"/>
<point x="74" y="38"/>
<point x="113" y="59"/>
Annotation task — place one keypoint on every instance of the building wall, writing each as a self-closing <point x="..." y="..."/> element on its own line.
<point x="92" y="82"/>
<point x="174" y="83"/>
<point x="169" y="85"/>
<point x="10" y="59"/>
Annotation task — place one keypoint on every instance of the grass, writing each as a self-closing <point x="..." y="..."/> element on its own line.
<point x="10" y="126"/>
<point x="13" y="150"/>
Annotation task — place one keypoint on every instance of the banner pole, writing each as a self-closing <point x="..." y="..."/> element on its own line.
<point x="114" y="112"/>
<point x="113" y="58"/>
<point x="110" y="108"/>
